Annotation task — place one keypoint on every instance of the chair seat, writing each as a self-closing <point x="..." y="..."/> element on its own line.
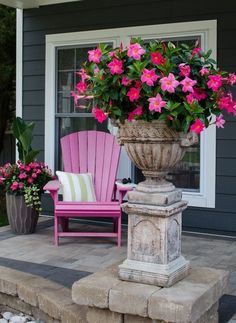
<point x="100" y="209"/>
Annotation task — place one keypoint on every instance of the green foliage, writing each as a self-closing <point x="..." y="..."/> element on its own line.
<point x="23" y="132"/>
<point x="33" y="197"/>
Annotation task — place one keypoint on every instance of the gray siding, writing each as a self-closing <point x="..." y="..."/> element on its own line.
<point x="91" y="14"/>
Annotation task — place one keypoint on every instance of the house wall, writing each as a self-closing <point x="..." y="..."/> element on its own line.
<point x="91" y="14"/>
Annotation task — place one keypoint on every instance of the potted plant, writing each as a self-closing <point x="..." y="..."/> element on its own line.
<point x="23" y="182"/>
<point x="160" y="96"/>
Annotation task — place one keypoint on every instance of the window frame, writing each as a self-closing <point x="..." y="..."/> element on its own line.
<point x="206" y="29"/>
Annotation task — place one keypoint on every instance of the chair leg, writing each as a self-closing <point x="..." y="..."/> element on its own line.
<point x="119" y="232"/>
<point x="64" y="224"/>
<point x="56" y="238"/>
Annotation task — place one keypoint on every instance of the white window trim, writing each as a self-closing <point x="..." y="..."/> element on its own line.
<point x="207" y="29"/>
<point x="19" y="65"/>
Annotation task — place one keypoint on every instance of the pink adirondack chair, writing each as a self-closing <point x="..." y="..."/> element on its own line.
<point x="97" y="153"/>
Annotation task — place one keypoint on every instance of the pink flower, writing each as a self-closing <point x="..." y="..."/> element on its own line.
<point x="21" y="186"/>
<point x="96" y="70"/>
<point x="81" y="87"/>
<point x="190" y="98"/>
<point x="220" y="121"/>
<point x="232" y="78"/>
<point x="196" y="51"/>
<point x="30" y="180"/>
<point x="125" y="81"/>
<point x="34" y="175"/>
<point x="115" y="66"/>
<point x="169" y="83"/>
<point x="136" y="112"/>
<point x="135" y="51"/>
<point x="133" y="94"/>
<point x="226" y="103"/>
<point x="99" y="114"/>
<point x="14" y="186"/>
<point x="157" y="58"/>
<point x="138" y="84"/>
<point x="83" y="74"/>
<point x="22" y="176"/>
<point x="199" y="94"/>
<point x="27" y="168"/>
<point x="214" y="82"/>
<point x="188" y="84"/>
<point x="204" y="71"/>
<point x="197" y="127"/>
<point x="111" y="54"/>
<point x="38" y="171"/>
<point x="149" y="76"/>
<point x="184" y="69"/>
<point x="95" y="55"/>
<point x="156" y="103"/>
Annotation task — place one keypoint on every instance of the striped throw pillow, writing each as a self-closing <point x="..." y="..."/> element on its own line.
<point x="77" y="187"/>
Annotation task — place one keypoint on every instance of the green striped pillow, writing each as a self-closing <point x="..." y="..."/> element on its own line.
<point x="77" y="187"/>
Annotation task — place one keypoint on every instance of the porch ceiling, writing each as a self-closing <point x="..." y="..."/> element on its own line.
<point x="26" y="4"/>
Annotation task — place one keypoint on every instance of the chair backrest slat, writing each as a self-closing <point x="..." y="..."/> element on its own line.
<point x="74" y="147"/>
<point x="92" y="142"/>
<point x="83" y="151"/>
<point x="113" y="169"/>
<point x="94" y="152"/>
<point x="66" y="153"/>
<point x="100" y="155"/>
<point x="108" y="148"/>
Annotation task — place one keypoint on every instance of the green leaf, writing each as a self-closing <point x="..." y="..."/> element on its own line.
<point x="31" y="156"/>
<point x="26" y="139"/>
<point x="18" y="126"/>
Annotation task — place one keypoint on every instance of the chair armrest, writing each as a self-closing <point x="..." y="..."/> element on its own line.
<point x="52" y="186"/>
<point x="123" y="189"/>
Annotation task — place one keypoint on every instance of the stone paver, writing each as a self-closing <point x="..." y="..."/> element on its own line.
<point x="131" y="298"/>
<point x="87" y="288"/>
<point x="83" y="255"/>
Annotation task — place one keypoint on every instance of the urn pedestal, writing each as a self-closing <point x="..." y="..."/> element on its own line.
<point x="155" y="208"/>
<point x="154" y="243"/>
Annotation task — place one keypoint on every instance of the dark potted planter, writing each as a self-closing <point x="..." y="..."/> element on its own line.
<point x="22" y="219"/>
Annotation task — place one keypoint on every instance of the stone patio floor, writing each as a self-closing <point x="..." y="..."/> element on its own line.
<point x="78" y="257"/>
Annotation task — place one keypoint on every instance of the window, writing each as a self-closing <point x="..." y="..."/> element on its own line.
<point x="195" y="174"/>
<point x="69" y="117"/>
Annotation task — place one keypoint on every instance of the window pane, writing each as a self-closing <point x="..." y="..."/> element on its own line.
<point x="186" y="173"/>
<point x="66" y="59"/>
<point x="65" y="102"/>
<point x="65" y="81"/>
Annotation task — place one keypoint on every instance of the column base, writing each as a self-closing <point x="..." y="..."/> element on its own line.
<point x="154" y="274"/>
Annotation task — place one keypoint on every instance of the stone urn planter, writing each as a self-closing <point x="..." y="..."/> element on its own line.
<point x="155" y="207"/>
<point x="22" y="219"/>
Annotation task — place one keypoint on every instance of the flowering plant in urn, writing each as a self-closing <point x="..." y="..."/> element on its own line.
<point x="23" y="181"/>
<point x="27" y="180"/>
<point x="156" y="93"/>
<point x="157" y="81"/>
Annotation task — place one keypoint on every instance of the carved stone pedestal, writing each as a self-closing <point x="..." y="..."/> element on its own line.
<point x="154" y="239"/>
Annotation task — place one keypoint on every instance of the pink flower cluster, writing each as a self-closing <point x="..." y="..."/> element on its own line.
<point x="147" y="80"/>
<point x="15" y="177"/>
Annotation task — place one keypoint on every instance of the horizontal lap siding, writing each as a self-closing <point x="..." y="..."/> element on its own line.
<point x="91" y="14"/>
